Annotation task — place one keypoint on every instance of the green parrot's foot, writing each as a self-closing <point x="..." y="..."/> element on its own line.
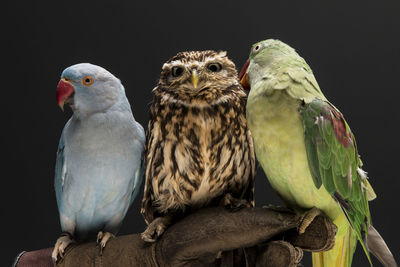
<point x="234" y="204"/>
<point x="308" y="218"/>
<point x="59" y="248"/>
<point x="156" y="228"/>
<point x="102" y="239"/>
<point x="319" y="235"/>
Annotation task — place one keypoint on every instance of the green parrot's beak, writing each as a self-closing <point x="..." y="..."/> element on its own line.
<point x="243" y="76"/>
<point x="244" y="82"/>
<point x="195" y="78"/>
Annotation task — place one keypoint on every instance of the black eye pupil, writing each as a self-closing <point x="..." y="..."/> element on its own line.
<point x="177" y="71"/>
<point x="257" y="47"/>
<point x="214" y="67"/>
<point x="87" y="80"/>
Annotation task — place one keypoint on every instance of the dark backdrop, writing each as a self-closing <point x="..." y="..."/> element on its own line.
<point x="352" y="46"/>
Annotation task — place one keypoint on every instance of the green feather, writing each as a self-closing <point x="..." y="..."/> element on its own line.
<point x="331" y="149"/>
<point x="355" y="190"/>
<point x="324" y="155"/>
<point x="335" y="162"/>
<point x="327" y="180"/>
<point x="313" y="162"/>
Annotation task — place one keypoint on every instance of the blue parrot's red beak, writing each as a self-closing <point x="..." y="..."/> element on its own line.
<point x="243" y="76"/>
<point x="65" y="91"/>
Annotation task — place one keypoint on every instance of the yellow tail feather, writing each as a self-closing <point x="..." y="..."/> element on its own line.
<point x="341" y="255"/>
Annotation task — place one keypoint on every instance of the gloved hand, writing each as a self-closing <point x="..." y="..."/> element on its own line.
<point x="198" y="240"/>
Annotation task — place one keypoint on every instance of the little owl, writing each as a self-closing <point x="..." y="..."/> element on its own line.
<point x="199" y="151"/>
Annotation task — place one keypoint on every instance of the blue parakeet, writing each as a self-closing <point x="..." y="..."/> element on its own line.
<point x="99" y="159"/>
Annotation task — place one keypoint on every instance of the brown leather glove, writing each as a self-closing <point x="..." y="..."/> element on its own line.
<point x="198" y="240"/>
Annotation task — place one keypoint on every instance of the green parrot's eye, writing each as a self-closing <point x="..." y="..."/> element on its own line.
<point x="214" y="67"/>
<point x="177" y="71"/>
<point x="257" y="48"/>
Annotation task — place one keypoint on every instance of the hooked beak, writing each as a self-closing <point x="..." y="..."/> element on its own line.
<point x="243" y="76"/>
<point x="65" y="91"/>
<point x="195" y="78"/>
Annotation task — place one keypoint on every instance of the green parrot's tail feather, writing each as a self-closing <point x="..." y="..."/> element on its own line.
<point x="341" y="255"/>
<point x="358" y="227"/>
<point x="377" y="246"/>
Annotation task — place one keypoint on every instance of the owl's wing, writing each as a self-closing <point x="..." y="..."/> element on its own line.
<point x="147" y="209"/>
<point x="249" y="193"/>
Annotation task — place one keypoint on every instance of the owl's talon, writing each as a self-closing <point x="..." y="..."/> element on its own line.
<point x="234" y="204"/>
<point x="156" y="228"/>
<point x="147" y="238"/>
<point x="160" y="229"/>
<point x="307" y="219"/>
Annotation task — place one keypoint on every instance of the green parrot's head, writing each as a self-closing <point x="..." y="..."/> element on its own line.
<point x="263" y="55"/>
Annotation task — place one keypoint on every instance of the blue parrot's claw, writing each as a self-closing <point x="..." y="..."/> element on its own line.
<point x="102" y="239"/>
<point x="59" y="248"/>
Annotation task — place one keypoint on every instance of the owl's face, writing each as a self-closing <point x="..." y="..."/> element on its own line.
<point x="197" y="72"/>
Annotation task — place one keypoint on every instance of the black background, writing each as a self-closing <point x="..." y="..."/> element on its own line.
<point x="352" y="46"/>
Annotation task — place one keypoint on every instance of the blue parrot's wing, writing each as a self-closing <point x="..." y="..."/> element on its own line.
<point x="139" y="173"/>
<point x="137" y="181"/>
<point x="60" y="171"/>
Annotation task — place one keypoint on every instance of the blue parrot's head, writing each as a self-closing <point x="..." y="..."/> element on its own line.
<point x="88" y="88"/>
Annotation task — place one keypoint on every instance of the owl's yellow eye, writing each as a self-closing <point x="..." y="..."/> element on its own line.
<point x="87" y="81"/>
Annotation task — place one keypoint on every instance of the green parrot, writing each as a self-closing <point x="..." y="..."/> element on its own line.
<point x="308" y="151"/>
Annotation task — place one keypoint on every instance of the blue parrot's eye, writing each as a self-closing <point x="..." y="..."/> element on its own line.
<point x="87" y="80"/>
<point x="177" y="71"/>
<point x="214" y="67"/>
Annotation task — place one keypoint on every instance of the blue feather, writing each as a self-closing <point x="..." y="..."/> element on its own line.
<point x="99" y="165"/>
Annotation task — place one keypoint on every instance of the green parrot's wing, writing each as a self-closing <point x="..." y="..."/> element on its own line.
<point x="334" y="162"/>
<point x="297" y="78"/>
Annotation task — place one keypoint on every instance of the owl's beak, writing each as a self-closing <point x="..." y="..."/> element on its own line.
<point x="195" y="78"/>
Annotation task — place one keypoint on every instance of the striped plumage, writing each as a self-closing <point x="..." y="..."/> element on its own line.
<point x="198" y="145"/>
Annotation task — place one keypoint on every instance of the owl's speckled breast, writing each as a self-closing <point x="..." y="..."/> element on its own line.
<point x="199" y="152"/>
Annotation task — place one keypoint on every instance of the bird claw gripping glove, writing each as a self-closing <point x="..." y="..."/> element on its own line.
<point x="199" y="239"/>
